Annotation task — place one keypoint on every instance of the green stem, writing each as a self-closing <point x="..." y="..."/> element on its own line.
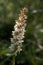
<point x="13" y="60"/>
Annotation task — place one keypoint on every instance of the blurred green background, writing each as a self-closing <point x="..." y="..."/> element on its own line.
<point x="31" y="54"/>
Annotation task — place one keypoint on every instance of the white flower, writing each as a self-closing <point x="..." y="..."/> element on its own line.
<point x="18" y="33"/>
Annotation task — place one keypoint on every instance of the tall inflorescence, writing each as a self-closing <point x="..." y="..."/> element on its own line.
<point x="18" y="33"/>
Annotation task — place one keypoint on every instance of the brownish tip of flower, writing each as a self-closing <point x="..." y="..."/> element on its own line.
<point x="25" y="9"/>
<point x="22" y="15"/>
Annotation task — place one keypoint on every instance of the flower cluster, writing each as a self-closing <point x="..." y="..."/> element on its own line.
<point x="18" y="33"/>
